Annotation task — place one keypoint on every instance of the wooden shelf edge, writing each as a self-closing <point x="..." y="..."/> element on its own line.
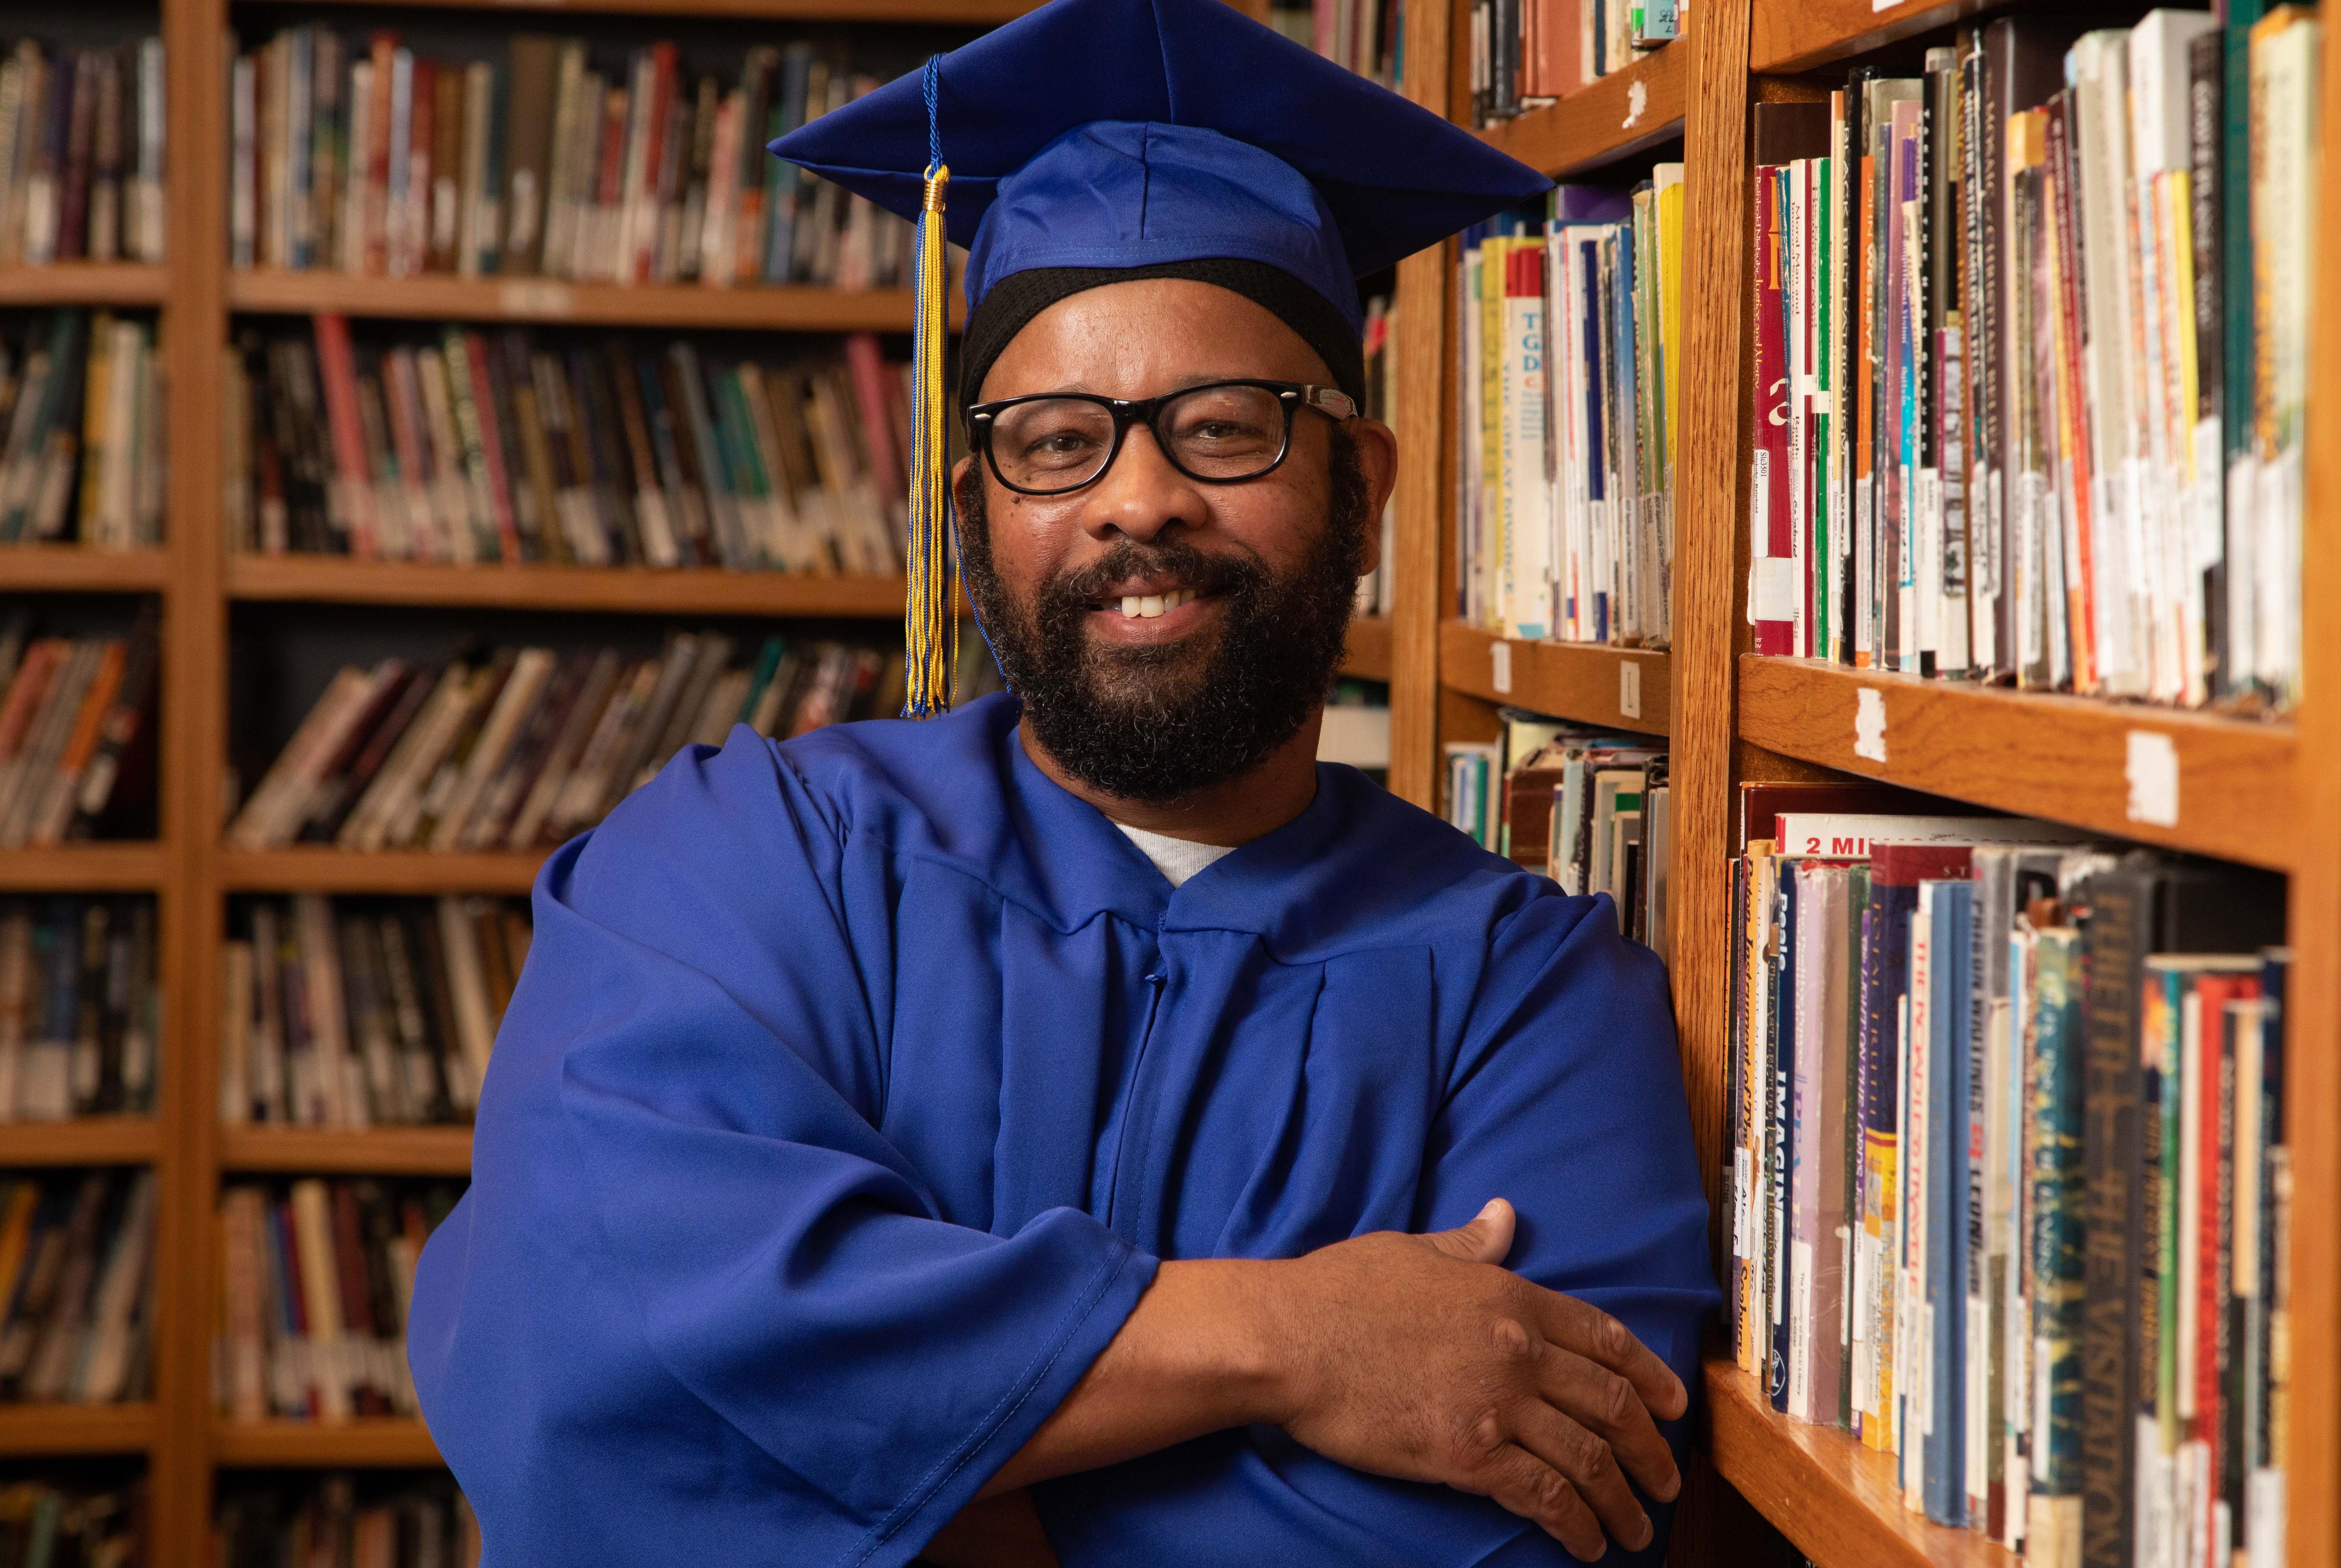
<point x="1581" y="681"/>
<point x="1788" y="36"/>
<point x="87" y="1140"/>
<point x="1624" y="113"/>
<point x="783" y="308"/>
<point x="27" y="1431"/>
<point x="631" y="589"/>
<point x="376" y="1442"/>
<point x="79" y="569"/>
<point x="84" y="283"/>
<point x="2038" y="754"/>
<point x="328" y="1152"/>
<point x="1834" y="1499"/>
<point x="925" y="12"/>
<point x="1366" y="656"/>
<point x="320" y="869"/>
<point x="83" y="868"/>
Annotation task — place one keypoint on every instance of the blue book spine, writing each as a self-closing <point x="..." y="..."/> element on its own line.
<point x="1951" y="974"/>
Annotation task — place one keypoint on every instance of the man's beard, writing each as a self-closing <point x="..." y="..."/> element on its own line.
<point x="1154" y="724"/>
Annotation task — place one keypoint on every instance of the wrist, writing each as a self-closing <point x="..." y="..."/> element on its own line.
<point x="1236" y="1312"/>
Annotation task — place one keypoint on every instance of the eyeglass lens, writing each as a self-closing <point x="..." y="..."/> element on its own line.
<point x="1054" y="443"/>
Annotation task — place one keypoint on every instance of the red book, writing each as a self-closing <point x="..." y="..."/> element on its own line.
<point x="2072" y="401"/>
<point x="1769" y="584"/>
<point x="377" y="172"/>
<point x="2214" y="1203"/>
<point x="873" y="389"/>
<point x="475" y="355"/>
<point x="352" y="485"/>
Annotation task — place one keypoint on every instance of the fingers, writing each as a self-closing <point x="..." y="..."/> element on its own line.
<point x="1587" y="1330"/>
<point x="1521" y="1483"/>
<point x="1486" y="1238"/>
<point x="1589" y="1465"/>
<point x="1606" y="1406"/>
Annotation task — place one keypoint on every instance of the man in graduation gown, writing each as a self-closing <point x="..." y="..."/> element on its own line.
<point x="1082" y="1129"/>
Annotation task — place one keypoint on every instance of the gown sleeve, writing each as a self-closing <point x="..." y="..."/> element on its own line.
<point x="693" y="1299"/>
<point x="1567" y="1098"/>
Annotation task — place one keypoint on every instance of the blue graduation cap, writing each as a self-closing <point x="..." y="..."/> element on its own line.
<point x="1139" y="135"/>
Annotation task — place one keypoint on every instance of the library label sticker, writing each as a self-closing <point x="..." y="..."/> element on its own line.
<point x="1637" y="99"/>
<point x="539" y="299"/>
<point x="1629" y="688"/>
<point x="2152" y="770"/>
<point x="1500" y="658"/>
<point x="1869" y="724"/>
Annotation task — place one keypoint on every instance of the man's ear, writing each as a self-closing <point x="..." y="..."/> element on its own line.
<point x="1376" y="446"/>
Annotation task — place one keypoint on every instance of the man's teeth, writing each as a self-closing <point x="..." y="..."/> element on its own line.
<point x="1146" y="607"/>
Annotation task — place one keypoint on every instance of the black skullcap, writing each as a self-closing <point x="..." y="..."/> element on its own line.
<point x="1012" y="302"/>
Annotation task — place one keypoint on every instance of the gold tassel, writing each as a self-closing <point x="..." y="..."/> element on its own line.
<point x="930" y="621"/>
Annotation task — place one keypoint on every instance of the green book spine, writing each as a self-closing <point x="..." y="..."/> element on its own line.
<point x="2236" y="224"/>
<point x="2057" y="1186"/>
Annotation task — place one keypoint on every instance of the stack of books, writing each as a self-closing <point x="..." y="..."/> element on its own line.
<point x="315" y="1279"/>
<point x="81" y="401"/>
<point x="77" y="733"/>
<point x="76" y="1249"/>
<point x="449" y="444"/>
<point x="1360" y="36"/>
<point x="1526" y="54"/>
<point x="2031" y="357"/>
<point x="375" y="1521"/>
<point x="95" y="1523"/>
<point x="356" y="154"/>
<point x="363" y="1013"/>
<point x="81" y="1015"/>
<point x="1570" y="369"/>
<point x="81" y="155"/>
<point x="2009" y="1181"/>
<point x="520" y="748"/>
<point x="1589" y="810"/>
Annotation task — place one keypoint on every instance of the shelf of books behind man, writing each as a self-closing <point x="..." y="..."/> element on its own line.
<point x="346" y="1249"/>
<point x="2087" y="1029"/>
<point x="2033" y="440"/>
<point x="388" y="1520"/>
<point x="1565" y="484"/>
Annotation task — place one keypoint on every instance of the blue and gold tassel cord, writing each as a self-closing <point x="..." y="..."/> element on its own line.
<point x="930" y="619"/>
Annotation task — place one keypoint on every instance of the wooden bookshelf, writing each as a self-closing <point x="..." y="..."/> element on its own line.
<point x="1810" y="33"/>
<point x="2266" y="794"/>
<point x="1618" y="115"/>
<point x="379" y="1442"/>
<point x="1367" y="655"/>
<point x="28" y="1431"/>
<point x="76" y="569"/>
<point x="88" y="1141"/>
<point x="91" y="867"/>
<point x="1834" y="1499"/>
<point x="1590" y="682"/>
<point x="122" y="284"/>
<point x="630" y="589"/>
<point x="791" y="308"/>
<point x="324" y="1152"/>
<point x="2095" y="764"/>
<point x="320" y="869"/>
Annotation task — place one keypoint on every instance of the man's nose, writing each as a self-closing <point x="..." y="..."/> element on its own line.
<point x="1141" y="493"/>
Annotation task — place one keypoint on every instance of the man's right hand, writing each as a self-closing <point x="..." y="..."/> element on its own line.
<point x="1418" y="1357"/>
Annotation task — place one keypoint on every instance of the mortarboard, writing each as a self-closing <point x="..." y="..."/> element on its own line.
<point x="1128" y="134"/>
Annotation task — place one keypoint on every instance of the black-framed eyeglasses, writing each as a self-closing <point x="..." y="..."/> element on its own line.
<point x="1221" y="433"/>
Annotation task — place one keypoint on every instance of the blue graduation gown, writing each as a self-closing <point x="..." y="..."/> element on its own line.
<point x="854" y="1086"/>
